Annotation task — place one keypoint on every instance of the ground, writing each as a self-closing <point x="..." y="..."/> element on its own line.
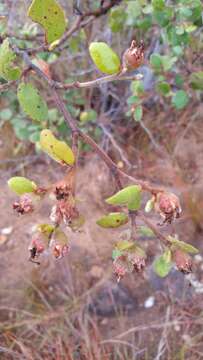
<point x="74" y="308"/>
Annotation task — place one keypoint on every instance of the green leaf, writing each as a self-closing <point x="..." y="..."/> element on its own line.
<point x="116" y="253"/>
<point x="145" y="231"/>
<point x="180" y="99"/>
<point x="86" y="116"/>
<point x="76" y="223"/>
<point x="188" y="248"/>
<point x="133" y="99"/>
<point x="106" y="60"/>
<point x="163" y="17"/>
<point x="130" y="196"/>
<point x="155" y="61"/>
<point x="21" y="185"/>
<point x="7" y="56"/>
<point x="138" y="113"/>
<point x="46" y="229"/>
<point x="50" y="16"/>
<point x="56" y="149"/>
<point x="6" y="114"/>
<point x="137" y="87"/>
<point x="60" y="237"/>
<point x="196" y="80"/>
<point x="163" y="88"/>
<point x="31" y="102"/>
<point x="158" y="4"/>
<point x="125" y="245"/>
<point x="162" y="265"/>
<point x="168" y="62"/>
<point x="117" y="18"/>
<point x="113" y="220"/>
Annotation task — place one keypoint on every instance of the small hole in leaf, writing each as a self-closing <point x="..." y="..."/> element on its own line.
<point x="45" y="17"/>
<point x="117" y="221"/>
<point x="55" y="12"/>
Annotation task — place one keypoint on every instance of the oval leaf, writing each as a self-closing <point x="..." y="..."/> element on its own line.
<point x="124" y="245"/>
<point x="145" y="231"/>
<point x="105" y="59"/>
<point x="50" y="16"/>
<point x="57" y="150"/>
<point x="113" y="220"/>
<point x="21" y="185"/>
<point x="46" y="229"/>
<point x="138" y="113"/>
<point x="31" y="102"/>
<point x="188" y="248"/>
<point x="162" y="265"/>
<point x="180" y="99"/>
<point x="7" y="56"/>
<point x="130" y="196"/>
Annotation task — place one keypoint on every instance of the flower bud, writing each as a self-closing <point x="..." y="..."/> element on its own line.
<point x="62" y="191"/>
<point x="59" y="251"/>
<point x="36" y="248"/>
<point x="134" y="56"/>
<point x="183" y="261"/>
<point x="137" y="260"/>
<point x="120" y="267"/>
<point x="168" y="206"/>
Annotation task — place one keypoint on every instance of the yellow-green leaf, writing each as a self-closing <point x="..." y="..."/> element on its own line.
<point x="129" y="196"/>
<point x="60" y="237"/>
<point x="188" y="248"/>
<point x="124" y="245"/>
<point x="105" y="59"/>
<point x="56" y="149"/>
<point x="7" y="70"/>
<point x="50" y="15"/>
<point x="31" y="102"/>
<point x="46" y="229"/>
<point x="145" y="231"/>
<point x="21" y="185"/>
<point x="113" y="220"/>
<point x="77" y="223"/>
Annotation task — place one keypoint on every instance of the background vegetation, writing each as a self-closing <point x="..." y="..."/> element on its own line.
<point x="152" y="128"/>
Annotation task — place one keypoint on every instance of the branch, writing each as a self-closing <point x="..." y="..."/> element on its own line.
<point x="104" y="79"/>
<point x="117" y="173"/>
<point x="155" y="229"/>
<point x="79" y="23"/>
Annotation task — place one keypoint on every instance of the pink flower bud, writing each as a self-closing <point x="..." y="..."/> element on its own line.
<point x="168" y="206"/>
<point x="183" y="261"/>
<point x="25" y="205"/>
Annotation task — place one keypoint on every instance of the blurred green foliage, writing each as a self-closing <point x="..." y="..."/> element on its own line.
<point x="172" y="33"/>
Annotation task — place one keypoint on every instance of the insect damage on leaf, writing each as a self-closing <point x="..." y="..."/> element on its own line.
<point x="113" y="220"/>
<point x="50" y="16"/>
<point x="7" y="56"/>
<point x="31" y="102"/>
